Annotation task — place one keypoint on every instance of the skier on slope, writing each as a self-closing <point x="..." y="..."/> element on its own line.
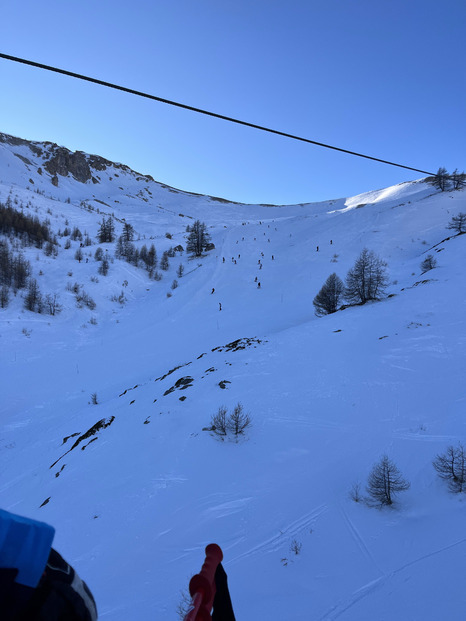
<point x="36" y="583"/>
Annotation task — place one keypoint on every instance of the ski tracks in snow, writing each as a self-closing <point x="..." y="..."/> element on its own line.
<point x="274" y="543"/>
<point x="314" y="423"/>
<point x="339" y="609"/>
<point x="357" y="538"/>
<point x="420" y="436"/>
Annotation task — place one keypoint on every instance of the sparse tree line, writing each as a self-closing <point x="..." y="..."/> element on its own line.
<point x="457" y="224"/>
<point x="385" y="480"/>
<point x="198" y="241"/>
<point x="82" y="297"/>
<point x="226" y="425"/>
<point x="15" y="275"/>
<point x="29" y="229"/>
<point x="15" y="270"/>
<point x="367" y="279"/>
<point x="443" y="180"/>
<point x="126" y="250"/>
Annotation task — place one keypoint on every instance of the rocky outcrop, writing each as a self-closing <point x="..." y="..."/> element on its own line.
<point x="181" y="384"/>
<point x="99" y="163"/>
<point x="6" y="138"/>
<point x="62" y="162"/>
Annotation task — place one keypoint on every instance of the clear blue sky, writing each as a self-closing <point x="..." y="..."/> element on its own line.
<point x="382" y="77"/>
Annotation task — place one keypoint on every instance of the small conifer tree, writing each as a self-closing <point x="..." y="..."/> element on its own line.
<point x="385" y="481"/>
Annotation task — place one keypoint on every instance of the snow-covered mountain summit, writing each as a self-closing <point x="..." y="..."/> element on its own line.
<point x="106" y="408"/>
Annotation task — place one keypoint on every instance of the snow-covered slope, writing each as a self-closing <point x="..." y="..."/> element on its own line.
<point x="135" y="503"/>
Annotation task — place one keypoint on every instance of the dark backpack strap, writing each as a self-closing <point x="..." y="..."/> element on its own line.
<point x="223" y="609"/>
<point x="61" y="595"/>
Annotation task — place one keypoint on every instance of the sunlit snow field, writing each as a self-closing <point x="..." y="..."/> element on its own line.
<point x="327" y="397"/>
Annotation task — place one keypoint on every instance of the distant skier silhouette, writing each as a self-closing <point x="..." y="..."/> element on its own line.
<point x="219" y="306"/>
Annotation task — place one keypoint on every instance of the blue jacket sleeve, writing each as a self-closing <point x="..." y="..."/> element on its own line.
<point x="24" y="545"/>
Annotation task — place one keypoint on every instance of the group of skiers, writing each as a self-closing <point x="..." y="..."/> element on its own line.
<point x="259" y="263"/>
<point x="37" y="584"/>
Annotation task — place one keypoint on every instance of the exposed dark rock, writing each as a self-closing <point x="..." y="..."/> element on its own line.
<point x="159" y="379"/>
<point x="66" y="438"/>
<point x="63" y="162"/>
<point x="57" y="474"/>
<point x="223" y="384"/>
<point x="90" y="442"/>
<point x="101" y="424"/>
<point x="99" y="163"/>
<point x="12" y="140"/>
<point x="46" y="502"/>
<point x="209" y="246"/>
<point x="128" y="389"/>
<point x="238" y="344"/>
<point x="23" y="159"/>
<point x="419" y="282"/>
<point x="221" y="200"/>
<point x="180" y="384"/>
<point x="17" y="142"/>
<point x="182" y="398"/>
<point x="55" y="181"/>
